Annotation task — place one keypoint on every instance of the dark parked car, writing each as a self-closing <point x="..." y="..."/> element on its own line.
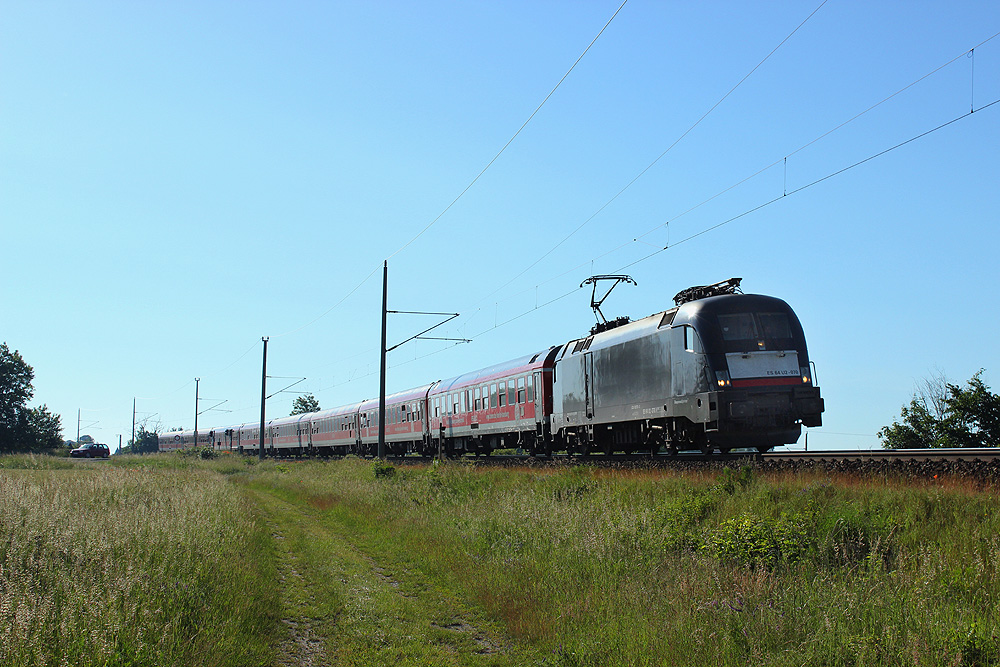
<point x="90" y="451"/>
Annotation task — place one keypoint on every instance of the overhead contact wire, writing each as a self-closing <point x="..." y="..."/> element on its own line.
<point x="511" y="140"/>
<point x="471" y="183"/>
<point x="660" y="157"/>
<point x="816" y="182"/>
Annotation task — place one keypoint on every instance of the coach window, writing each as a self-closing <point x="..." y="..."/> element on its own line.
<point x="493" y="396"/>
<point x="466" y="401"/>
<point x="501" y="394"/>
<point x="479" y="400"/>
<point x="511" y="393"/>
<point x="520" y="390"/>
<point x="531" y="390"/>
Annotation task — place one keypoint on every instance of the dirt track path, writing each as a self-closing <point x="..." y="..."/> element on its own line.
<point x="341" y="607"/>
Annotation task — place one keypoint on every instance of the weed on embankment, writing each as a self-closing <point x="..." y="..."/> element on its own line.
<point x="596" y="567"/>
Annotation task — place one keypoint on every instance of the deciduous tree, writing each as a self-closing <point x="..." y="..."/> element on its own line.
<point x="942" y="414"/>
<point x="305" y="403"/>
<point x="23" y="428"/>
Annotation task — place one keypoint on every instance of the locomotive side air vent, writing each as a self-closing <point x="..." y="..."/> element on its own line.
<point x="583" y="344"/>
<point x="731" y="286"/>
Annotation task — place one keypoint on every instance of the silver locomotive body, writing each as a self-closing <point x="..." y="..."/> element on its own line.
<point x="714" y="373"/>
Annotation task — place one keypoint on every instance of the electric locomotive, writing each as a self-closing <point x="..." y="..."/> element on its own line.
<point x="721" y="370"/>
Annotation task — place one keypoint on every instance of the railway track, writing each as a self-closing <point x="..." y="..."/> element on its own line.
<point x="986" y="454"/>
<point x="978" y="465"/>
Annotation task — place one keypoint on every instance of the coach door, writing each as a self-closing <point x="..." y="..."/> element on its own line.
<point x="302" y="430"/>
<point x="538" y="400"/>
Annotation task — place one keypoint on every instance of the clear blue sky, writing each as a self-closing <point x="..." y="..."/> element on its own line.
<point x="179" y="179"/>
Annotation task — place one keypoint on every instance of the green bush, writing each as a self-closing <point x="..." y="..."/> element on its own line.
<point x="758" y="541"/>
<point x="381" y="469"/>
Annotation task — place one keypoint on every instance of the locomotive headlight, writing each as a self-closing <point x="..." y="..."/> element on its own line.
<point x="722" y="378"/>
<point x="804" y="372"/>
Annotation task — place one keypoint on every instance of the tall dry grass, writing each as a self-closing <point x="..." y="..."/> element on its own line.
<point x="103" y="565"/>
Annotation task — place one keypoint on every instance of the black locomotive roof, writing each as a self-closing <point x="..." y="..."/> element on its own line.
<point x="730" y="303"/>
<point x="703" y="315"/>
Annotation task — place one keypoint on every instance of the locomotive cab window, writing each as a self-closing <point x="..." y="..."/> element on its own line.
<point x="738" y="326"/>
<point x="775" y="325"/>
<point x="770" y="327"/>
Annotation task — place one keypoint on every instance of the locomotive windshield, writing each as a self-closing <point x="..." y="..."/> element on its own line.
<point x="755" y="326"/>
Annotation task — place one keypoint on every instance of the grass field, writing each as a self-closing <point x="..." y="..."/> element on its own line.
<point x="171" y="560"/>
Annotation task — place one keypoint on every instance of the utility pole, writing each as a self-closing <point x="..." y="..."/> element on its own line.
<point x="133" y="423"/>
<point x="381" y="372"/>
<point x="263" y="397"/>
<point x="78" y="422"/>
<point x="384" y="351"/>
<point x="197" y="381"/>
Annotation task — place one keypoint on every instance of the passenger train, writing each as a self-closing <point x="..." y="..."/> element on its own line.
<point x="720" y="370"/>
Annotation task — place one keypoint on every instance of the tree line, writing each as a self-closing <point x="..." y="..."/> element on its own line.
<point x="942" y="414"/>
<point x="23" y="429"/>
